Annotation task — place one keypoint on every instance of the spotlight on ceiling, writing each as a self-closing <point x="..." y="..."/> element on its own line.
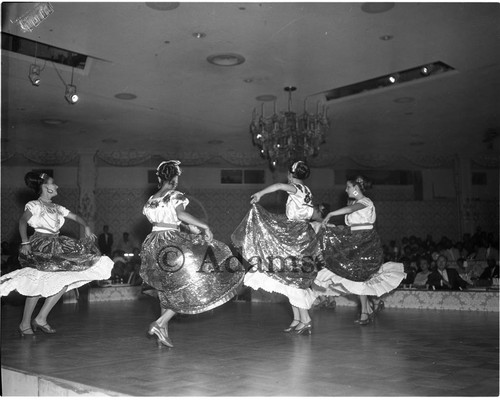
<point x="393" y="78"/>
<point x="426" y="70"/>
<point x="71" y="95"/>
<point x="34" y="74"/>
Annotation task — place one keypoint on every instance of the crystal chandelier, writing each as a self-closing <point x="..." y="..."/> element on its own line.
<point x="284" y="137"/>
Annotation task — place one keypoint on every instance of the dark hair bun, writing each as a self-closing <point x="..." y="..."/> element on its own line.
<point x="300" y="170"/>
<point x="363" y="183"/>
<point x="35" y="180"/>
<point x="167" y="170"/>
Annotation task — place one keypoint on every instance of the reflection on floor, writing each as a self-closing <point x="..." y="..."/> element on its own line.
<point x="239" y="350"/>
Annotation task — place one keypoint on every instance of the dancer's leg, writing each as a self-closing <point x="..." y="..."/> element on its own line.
<point x="296" y="319"/>
<point x="366" y="309"/>
<point x="29" y="307"/>
<point x="47" y="307"/>
<point x="166" y="315"/>
<point x="304" y="327"/>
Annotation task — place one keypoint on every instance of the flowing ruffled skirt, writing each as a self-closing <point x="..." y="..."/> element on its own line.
<point x="189" y="274"/>
<point x="278" y="255"/>
<point x="352" y="262"/>
<point x="56" y="262"/>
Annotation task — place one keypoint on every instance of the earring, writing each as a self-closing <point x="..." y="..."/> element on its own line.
<point x="355" y="192"/>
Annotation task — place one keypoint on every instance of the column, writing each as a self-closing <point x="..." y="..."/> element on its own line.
<point x="463" y="183"/>
<point x="87" y="178"/>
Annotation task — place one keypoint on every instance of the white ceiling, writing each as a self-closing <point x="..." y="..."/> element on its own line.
<point x="186" y="105"/>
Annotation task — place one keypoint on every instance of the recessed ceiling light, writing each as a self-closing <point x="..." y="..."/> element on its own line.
<point x="163" y="6"/>
<point x="109" y="141"/>
<point x="125" y="96"/>
<point x="375" y="8"/>
<point x="199" y="35"/>
<point x="266" y="97"/>
<point x="386" y="37"/>
<point x="248" y="80"/>
<point x="226" y="60"/>
<point x="53" y="121"/>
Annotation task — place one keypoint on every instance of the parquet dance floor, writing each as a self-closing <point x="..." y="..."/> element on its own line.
<point x="239" y="350"/>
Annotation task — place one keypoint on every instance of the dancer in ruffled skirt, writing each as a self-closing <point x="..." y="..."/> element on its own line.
<point x="51" y="263"/>
<point x="352" y="256"/>
<point x="191" y="273"/>
<point x="274" y="245"/>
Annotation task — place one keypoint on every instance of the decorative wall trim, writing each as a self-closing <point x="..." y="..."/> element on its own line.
<point x="50" y="158"/>
<point x="489" y="160"/>
<point x="6" y="155"/>
<point x="430" y="161"/>
<point x="252" y="159"/>
<point x="124" y="158"/>
<point x="373" y="161"/>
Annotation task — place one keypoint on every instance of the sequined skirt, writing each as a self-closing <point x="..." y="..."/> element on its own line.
<point x="57" y="262"/>
<point x="190" y="274"/>
<point x="52" y="252"/>
<point x="352" y="262"/>
<point x="354" y="255"/>
<point x="277" y="247"/>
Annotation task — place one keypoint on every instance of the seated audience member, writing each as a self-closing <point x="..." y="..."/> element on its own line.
<point x="450" y="251"/>
<point x="463" y="272"/>
<point x="445" y="278"/>
<point x="489" y="273"/>
<point x="434" y="258"/>
<point x="462" y="251"/>
<point x="119" y="270"/>
<point x="420" y="280"/>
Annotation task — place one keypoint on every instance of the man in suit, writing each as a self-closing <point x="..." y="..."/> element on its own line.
<point x="105" y="241"/>
<point x="444" y="278"/>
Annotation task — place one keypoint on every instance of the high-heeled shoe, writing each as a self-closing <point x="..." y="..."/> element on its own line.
<point x="25" y="332"/>
<point x="155" y="329"/>
<point x="366" y="321"/>
<point x="44" y="328"/>
<point x="292" y="326"/>
<point x="305" y="330"/>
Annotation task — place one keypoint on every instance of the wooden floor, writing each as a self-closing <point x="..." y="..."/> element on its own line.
<point x="239" y="350"/>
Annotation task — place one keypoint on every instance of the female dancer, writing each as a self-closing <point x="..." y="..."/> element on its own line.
<point x="281" y="240"/>
<point x="52" y="263"/>
<point x="191" y="273"/>
<point x="352" y="254"/>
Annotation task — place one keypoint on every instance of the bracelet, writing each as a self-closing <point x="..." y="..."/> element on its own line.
<point x="23" y="243"/>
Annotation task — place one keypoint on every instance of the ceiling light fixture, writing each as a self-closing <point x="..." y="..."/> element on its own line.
<point x="34" y="74"/>
<point x="426" y="70"/>
<point x="226" y="60"/>
<point x="393" y="78"/>
<point x="70" y="94"/>
<point x="284" y="137"/>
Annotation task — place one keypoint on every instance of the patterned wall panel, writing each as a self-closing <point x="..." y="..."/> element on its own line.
<point x="396" y="219"/>
<point x="121" y="209"/>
